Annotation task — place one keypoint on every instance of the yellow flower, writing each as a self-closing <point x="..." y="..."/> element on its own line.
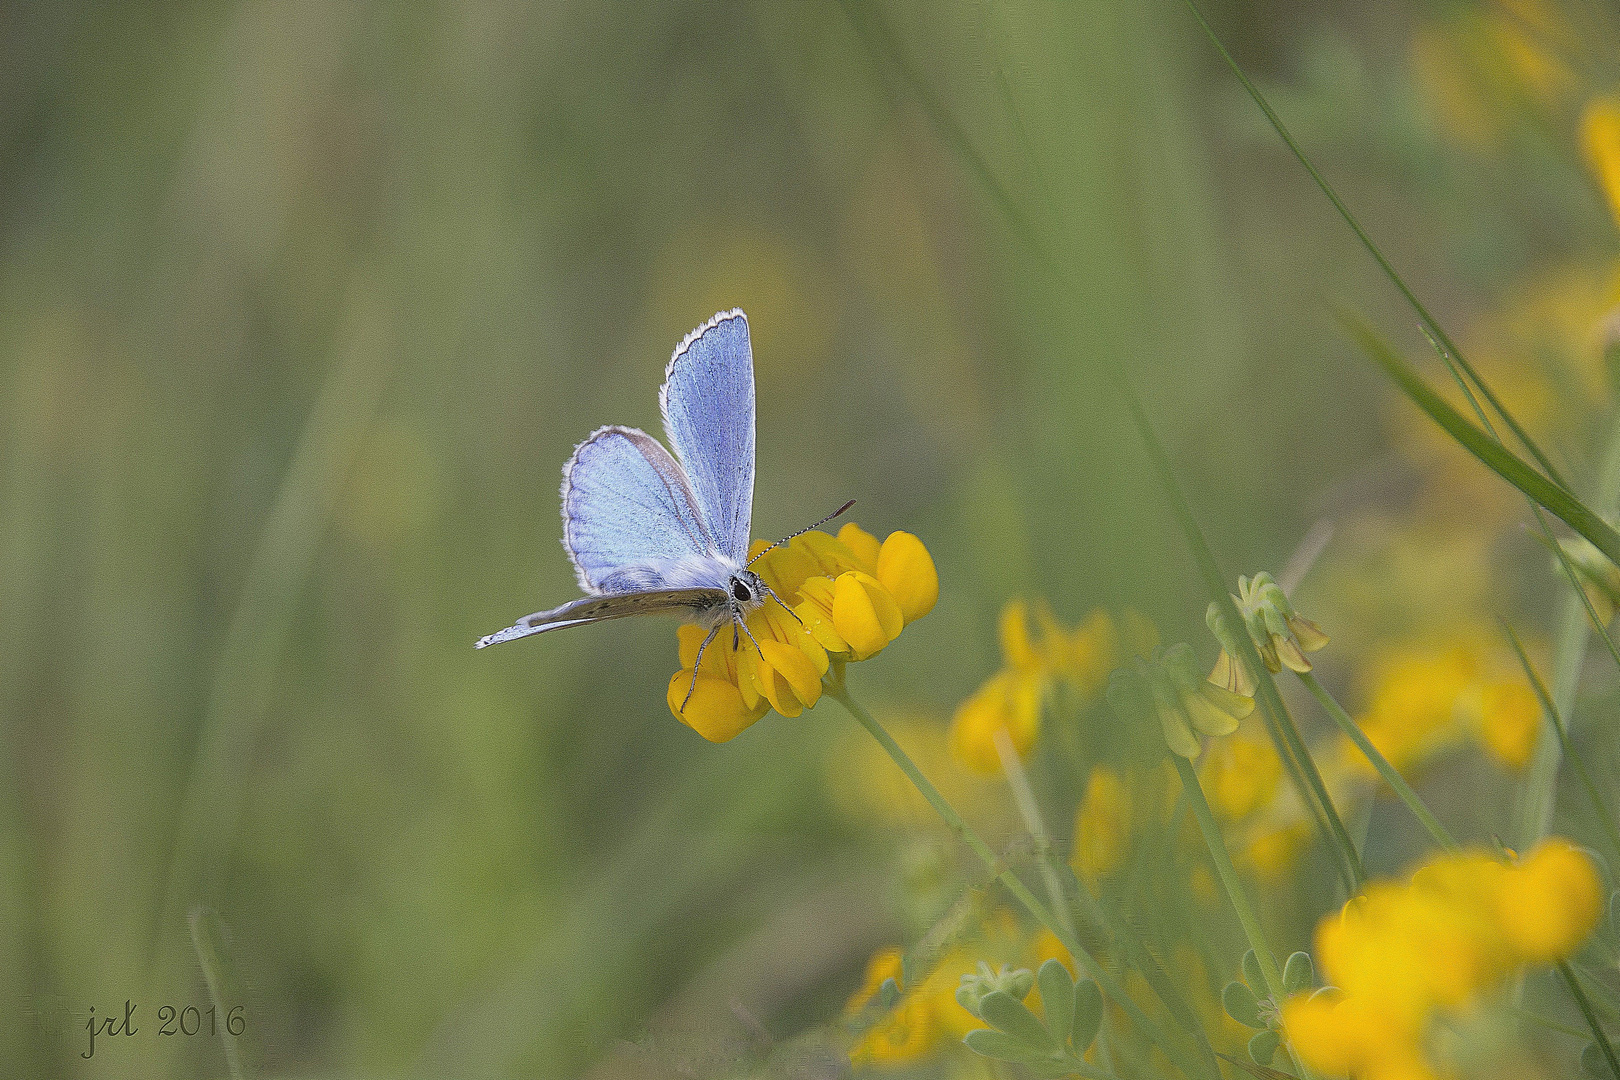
<point x="1600" y="141"/>
<point x="1240" y="775"/>
<point x="1036" y="659"/>
<point x="1102" y="825"/>
<point x="846" y="597"/>
<point x="1553" y="901"/>
<point x="1008" y="702"/>
<point x="1402" y="954"/>
<point x="1509" y="720"/>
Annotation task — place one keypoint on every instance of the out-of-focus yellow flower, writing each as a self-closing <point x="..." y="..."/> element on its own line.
<point x="928" y="1017"/>
<point x="847" y="597"/>
<point x="1240" y="775"/>
<point x="1427" y="699"/>
<point x="1102" y="825"/>
<point x="1038" y="655"/>
<point x="864" y="782"/>
<point x="1480" y="67"/>
<point x="1600" y="141"/>
<point x="1281" y="635"/>
<point x="1273" y="851"/>
<point x="1400" y="954"/>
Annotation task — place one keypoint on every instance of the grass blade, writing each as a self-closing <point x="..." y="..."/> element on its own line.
<point x="1555" y="498"/>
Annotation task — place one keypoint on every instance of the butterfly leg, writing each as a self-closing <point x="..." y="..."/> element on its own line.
<point x="770" y="592"/>
<point x="737" y="621"/>
<point x="695" y="665"/>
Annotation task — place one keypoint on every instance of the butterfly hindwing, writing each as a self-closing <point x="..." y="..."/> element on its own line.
<point x="589" y="609"/>
<point x="708" y="405"/>
<point x="630" y="519"/>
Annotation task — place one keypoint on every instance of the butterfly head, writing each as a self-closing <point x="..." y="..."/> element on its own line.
<point x="747" y="590"/>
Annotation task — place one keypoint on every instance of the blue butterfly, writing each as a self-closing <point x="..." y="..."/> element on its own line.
<point x="651" y="533"/>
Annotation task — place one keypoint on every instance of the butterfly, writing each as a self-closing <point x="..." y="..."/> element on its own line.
<point x="652" y="533"/>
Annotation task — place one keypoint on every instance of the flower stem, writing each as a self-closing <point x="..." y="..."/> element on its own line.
<point x="835" y="689"/>
<point x="1585" y="1005"/>
<point x="1391" y="776"/>
<point x="1024" y="796"/>
<point x="1233" y="886"/>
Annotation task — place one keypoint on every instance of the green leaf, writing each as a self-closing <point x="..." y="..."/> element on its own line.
<point x="1263" y="1047"/>
<point x="1593" y="1063"/>
<point x="1298" y="973"/>
<point x="1088" y="1010"/>
<point x="1614" y="912"/>
<point x="1251" y="972"/>
<point x="1057" y="999"/>
<point x="1002" y="1047"/>
<point x="1574" y="513"/>
<point x="1241" y="1004"/>
<point x="1053" y="1069"/>
<point x="1013" y="1016"/>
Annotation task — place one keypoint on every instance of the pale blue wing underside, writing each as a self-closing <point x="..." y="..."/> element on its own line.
<point x="631" y="522"/>
<point x="708" y="405"/>
<point x="589" y="609"/>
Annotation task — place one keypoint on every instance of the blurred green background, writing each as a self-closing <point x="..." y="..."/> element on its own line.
<point x="303" y="305"/>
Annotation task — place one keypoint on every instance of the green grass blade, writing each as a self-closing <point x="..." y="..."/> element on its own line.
<point x="1429" y="322"/>
<point x="1605" y="820"/>
<point x="1556" y="499"/>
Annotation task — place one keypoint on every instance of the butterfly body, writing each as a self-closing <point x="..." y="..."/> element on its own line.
<point x="651" y="532"/>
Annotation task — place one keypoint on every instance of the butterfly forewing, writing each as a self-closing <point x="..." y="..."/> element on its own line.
<point x="708" y="405"/>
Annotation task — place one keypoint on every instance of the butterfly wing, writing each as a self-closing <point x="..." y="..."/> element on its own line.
<point x="589" y="609"/>
<point x="631" y="522"/>
<point x="708" y="406"/>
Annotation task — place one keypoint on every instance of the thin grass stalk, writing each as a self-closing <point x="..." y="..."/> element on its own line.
<point x="1233" y="885"/>
<point x="1429" y="322"/>
<point x="1605" y="819"/>
<point x="1533" y="815"/>
<point x="1397" y="783"/>
<point x="1585" y="1005"/>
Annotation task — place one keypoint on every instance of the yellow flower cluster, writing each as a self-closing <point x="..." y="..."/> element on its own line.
<point x="1401" y="955"/>
<point x="1036" y="661"/>
<point x="928" y="1017"/>
<point x="847" y="597"/>
<point x="1426" y="699"/>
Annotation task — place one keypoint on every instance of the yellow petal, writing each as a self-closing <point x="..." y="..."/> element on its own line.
<point x="816" y="611"/>
<point x="1289" y="653"/>
<point x="1307" y="633"/>
<point x="794" y="668"/>
<point x="1230" y="674"/>
<point x="1012" y="628"/>
<point x="715" y="710"/>
<point x="1207" y="717"/>
<point x="864" y="613"/>
<point x="1510" y="719"/>
<point x="907" y="571"/>
<point x="862" y="543"/>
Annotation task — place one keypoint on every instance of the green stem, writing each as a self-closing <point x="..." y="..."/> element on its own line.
<point x="1233" y="885"/>
<point x="1024" y="797"/>
<point x="1605" y="821"/>
<point x="839" y="692"/>
<point x="1585" y="1006"/>
<point x="1391" y="776"/>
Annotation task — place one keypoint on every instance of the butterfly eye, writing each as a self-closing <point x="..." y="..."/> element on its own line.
<point x="740" y="590"/>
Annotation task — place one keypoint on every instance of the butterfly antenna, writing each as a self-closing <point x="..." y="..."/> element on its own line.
<point x="801" y="532"/>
